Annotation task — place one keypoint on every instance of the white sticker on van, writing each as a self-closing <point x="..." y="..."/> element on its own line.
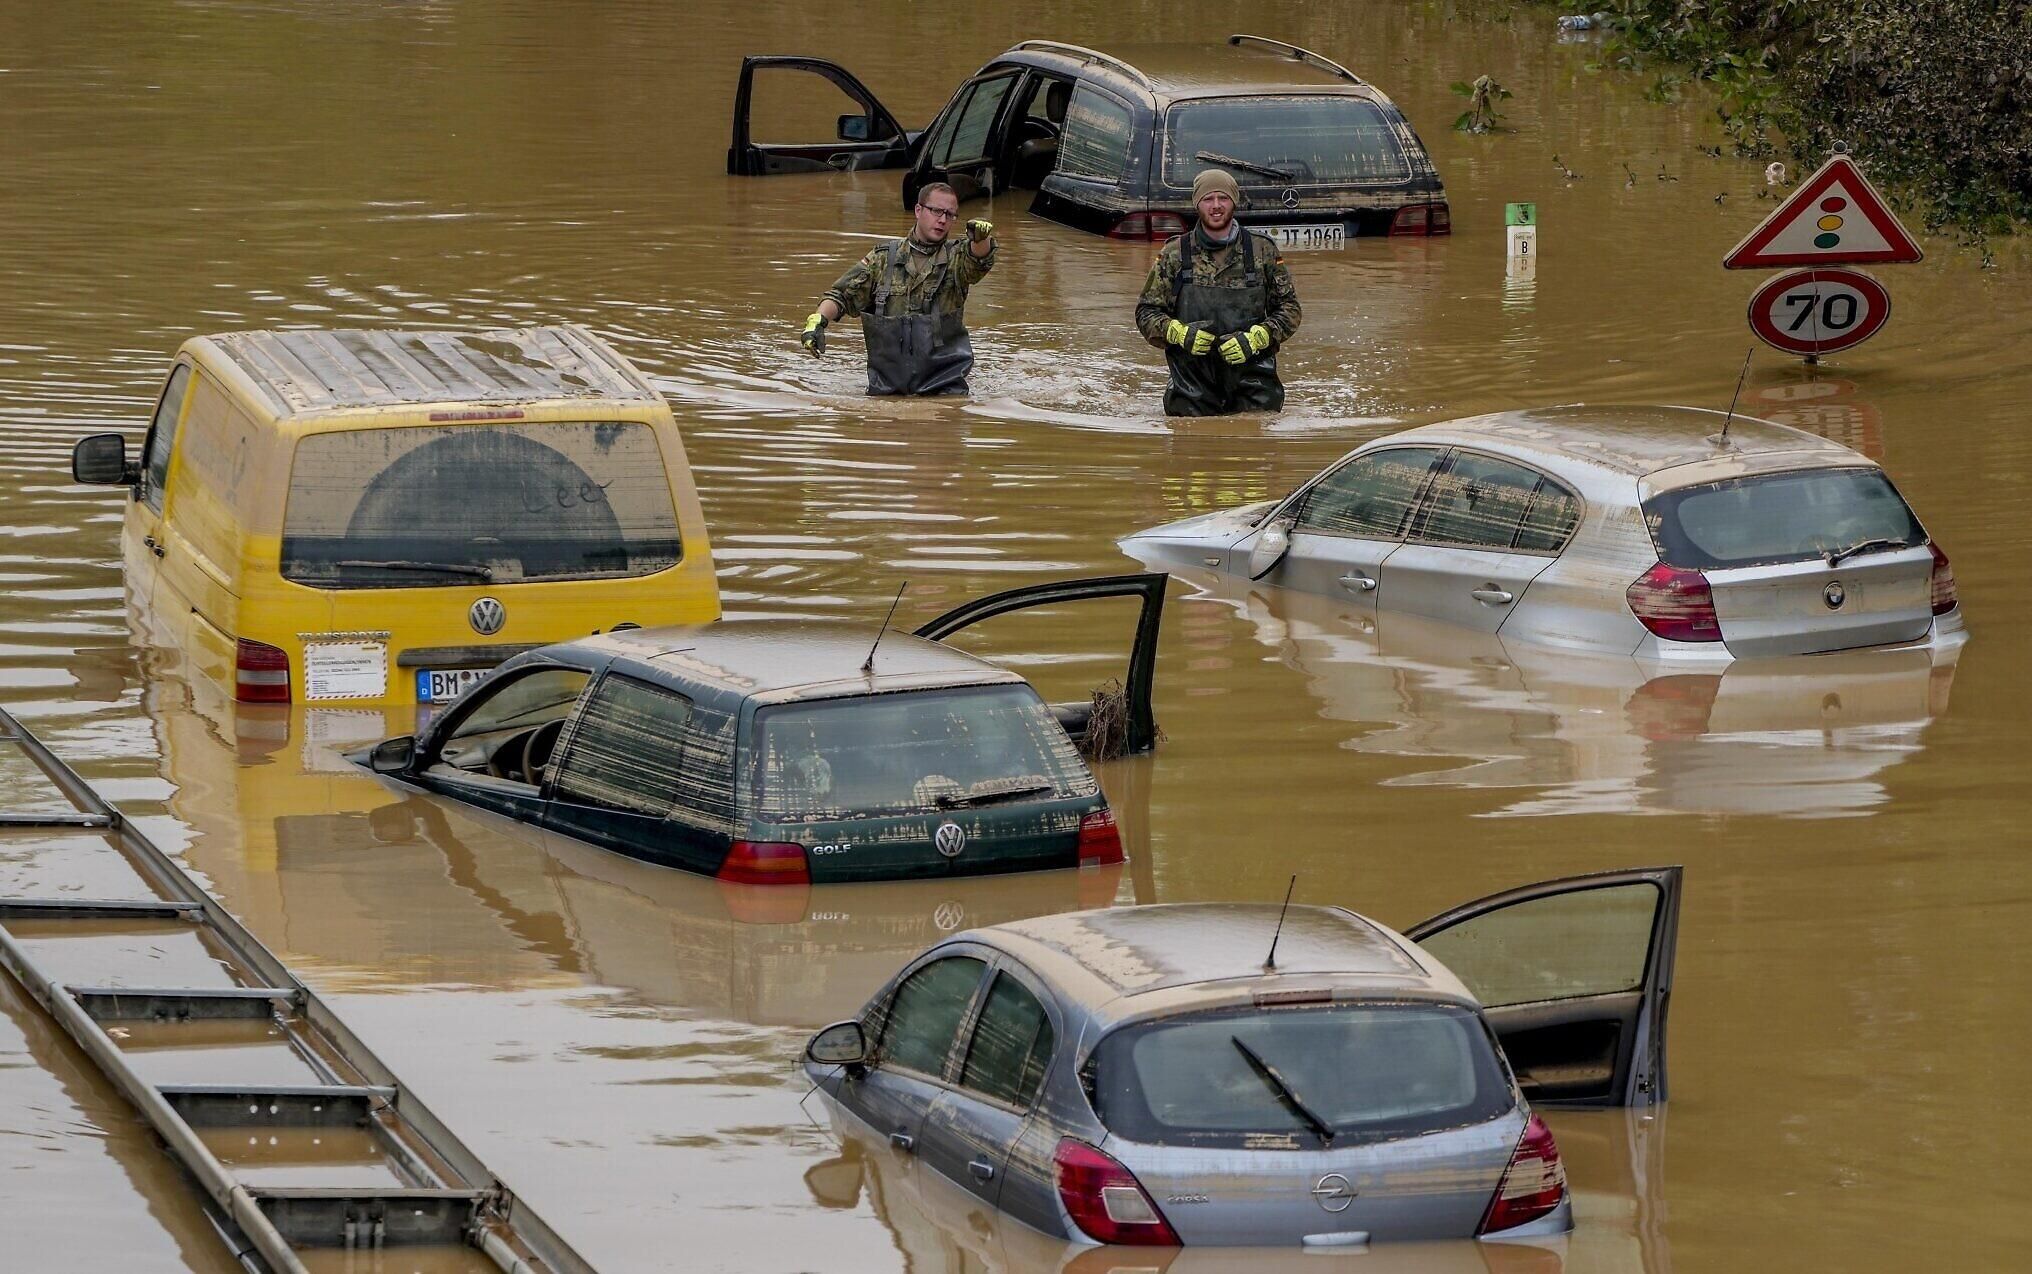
<point x="345" y="670"/>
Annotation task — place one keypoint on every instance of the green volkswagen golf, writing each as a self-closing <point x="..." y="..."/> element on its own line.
<point x="796" y="751"/>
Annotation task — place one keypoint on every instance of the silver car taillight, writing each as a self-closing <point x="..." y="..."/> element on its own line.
<point x="1945" y="598"/>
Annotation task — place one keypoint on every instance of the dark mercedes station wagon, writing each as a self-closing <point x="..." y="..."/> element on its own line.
<point x="796" y="751"/>
<point x="1111" y="144"/>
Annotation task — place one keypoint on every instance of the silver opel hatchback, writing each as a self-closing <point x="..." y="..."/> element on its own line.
<point x="1244" y="1074"/>
<point x="1648" y="531"/>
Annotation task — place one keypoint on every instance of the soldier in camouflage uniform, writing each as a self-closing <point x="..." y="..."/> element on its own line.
<point x="910" y="295"/>
<point x="1219" y="301"/>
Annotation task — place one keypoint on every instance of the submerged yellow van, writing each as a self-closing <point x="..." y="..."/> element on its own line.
<point x="379" y="517"/>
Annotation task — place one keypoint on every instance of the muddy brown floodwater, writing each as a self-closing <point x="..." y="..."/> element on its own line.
<point x="618" y="1041"/>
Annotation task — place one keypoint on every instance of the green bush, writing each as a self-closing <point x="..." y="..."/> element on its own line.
<point x="1934" y="95"/>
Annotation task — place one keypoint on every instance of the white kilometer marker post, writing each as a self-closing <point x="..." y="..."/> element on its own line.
<point x="1521" y="223"/>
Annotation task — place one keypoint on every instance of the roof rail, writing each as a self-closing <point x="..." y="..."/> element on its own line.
<point x="1091" y="55"/>
<point x="1297" y="54"/>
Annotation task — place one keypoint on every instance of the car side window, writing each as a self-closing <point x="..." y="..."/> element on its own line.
<point x="1371" y="495"/>
<point x="625" y="749"/>
<point x="162" y="436"/>
<point x="926" y="1013"/>
<point x="1011" y="1046"/>
<point x="1095" y="139"/>
<point x="1556" y="947"/>
<point x="1477" y="502"/>
<point x="969" y="139"/>
<point x="494" y="732"/>
<point x="1555" y="511"/>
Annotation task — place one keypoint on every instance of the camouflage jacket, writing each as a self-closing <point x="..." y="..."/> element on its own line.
<point x="855" y="291"/>
<point x="1153" y="308"/>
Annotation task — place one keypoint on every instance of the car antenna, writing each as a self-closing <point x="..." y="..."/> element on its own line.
<point x="1270" y="961"/>
<point x="1722" y="439"/>
<point x="868" y="664"/>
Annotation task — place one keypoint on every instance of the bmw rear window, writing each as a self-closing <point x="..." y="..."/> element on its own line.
<point x="912" y="752"/>
<point x="1238" y="1077"/>
<point x="427" y="506"/>
<point x="1284" y="141"/>
<point x="1779" y="517"/>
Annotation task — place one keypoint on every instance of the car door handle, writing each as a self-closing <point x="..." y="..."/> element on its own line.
<point x="982" y="1170"/>
<point x="1356" y="582"/>
<point x="903" y="1141"/>
<point x="1492" y="595"/>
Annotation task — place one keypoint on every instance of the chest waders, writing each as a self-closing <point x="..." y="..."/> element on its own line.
<point x="921" y="351"/>
<point x="1209" y="385"/>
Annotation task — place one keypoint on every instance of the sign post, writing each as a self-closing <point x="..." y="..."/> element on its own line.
<point x="1835" y="218"/>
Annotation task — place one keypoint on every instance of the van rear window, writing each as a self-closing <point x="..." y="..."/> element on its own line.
<point x="1779" y="517"/>
<point x="1239" y="1077"/>
<point x="427" y="506"/>
<point x="1283" y="141"/>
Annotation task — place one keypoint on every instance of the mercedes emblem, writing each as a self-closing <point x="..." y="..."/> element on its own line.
<point x="486" y="616"/>
<point x="1334" y="1192"/>
<point x="1290" y="197"/>
<point x="1834" y="594"/>
<point x="950" y="838"/>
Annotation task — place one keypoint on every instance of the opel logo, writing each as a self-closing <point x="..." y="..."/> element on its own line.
<point x="486" y="616"/>
<point x="950" y="838"/>
<point x="1334" y="1193"/>
<point x="1835" y="595"/>
<point x="948" y="916"/>
<point x="1290" y="198"/>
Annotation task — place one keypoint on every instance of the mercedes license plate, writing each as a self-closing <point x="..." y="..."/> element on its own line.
<point x="1328" y="238"/>
<point x="442" y="685"/>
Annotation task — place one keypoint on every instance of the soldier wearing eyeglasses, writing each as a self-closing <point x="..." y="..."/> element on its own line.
<point x="910" y="295"/>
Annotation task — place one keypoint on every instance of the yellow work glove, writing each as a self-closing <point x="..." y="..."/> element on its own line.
<point x="813" y="339"/>
<point x="1193" y="338"/>
<point x="1240" y="347"/>
<point x="977" y="230"/>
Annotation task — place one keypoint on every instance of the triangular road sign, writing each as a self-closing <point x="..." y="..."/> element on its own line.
<point x="1836" y="217"/>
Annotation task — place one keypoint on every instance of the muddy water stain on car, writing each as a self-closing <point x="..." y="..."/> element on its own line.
<point x="1852" y="949"/>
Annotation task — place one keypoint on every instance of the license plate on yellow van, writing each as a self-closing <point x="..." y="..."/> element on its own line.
<point x="442" y="685"/>
<point x="1327" y="238"/>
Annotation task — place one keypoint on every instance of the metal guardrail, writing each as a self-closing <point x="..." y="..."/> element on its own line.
<point x="446" y="1195"/>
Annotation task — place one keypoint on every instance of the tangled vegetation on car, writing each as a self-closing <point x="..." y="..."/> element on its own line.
<point x="1936" y="94"/>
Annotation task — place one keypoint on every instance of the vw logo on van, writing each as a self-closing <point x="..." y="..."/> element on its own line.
<point x="1834" y="594"/>
<point x="950" y="839"/>
<point x="486" y="616"/>
<point x="1334" y="1192"/>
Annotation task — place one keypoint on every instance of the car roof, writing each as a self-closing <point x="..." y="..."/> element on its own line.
<point x="1178" y="70"/>
<point x="1634" y="441"/>
<point x="1111" y="961"/>
<point x="307" y="371"/>
<point x="782" y="660"/>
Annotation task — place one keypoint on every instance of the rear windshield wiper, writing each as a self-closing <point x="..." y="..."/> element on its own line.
<point x="1215" y="157"/>
<point x="441" y="568"/>
<point x="1835" y="557"/>
<point x="989" y="798"/>
<point x="1285" y="1092"/>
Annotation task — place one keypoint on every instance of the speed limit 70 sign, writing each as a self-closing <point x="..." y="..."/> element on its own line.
<point x="1819" y="311"/>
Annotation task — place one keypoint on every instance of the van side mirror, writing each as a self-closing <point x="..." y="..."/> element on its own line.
<point x="101" y="461"/>
<point x="392" y="756"/>
<point x="841" y="1044"/>
<point x="855" y="128"/>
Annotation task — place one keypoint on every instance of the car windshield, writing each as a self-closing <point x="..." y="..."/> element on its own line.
<point x="1298" y="1077"/>
<point x="1780" y="517"/>
<point x="1284" y="141"/>
<point x="912" y="752"/>
<point x="427" y="506"/>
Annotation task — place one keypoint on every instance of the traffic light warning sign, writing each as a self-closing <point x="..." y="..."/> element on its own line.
<point x="1835" y="218"/>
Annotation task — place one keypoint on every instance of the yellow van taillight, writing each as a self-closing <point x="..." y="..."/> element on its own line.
<point x="260" y="673"/>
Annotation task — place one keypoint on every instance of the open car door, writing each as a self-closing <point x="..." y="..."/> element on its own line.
<point x="1575" y="977"/>
<point x="1136" y="730"/>
<point x="870" y="139"/>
